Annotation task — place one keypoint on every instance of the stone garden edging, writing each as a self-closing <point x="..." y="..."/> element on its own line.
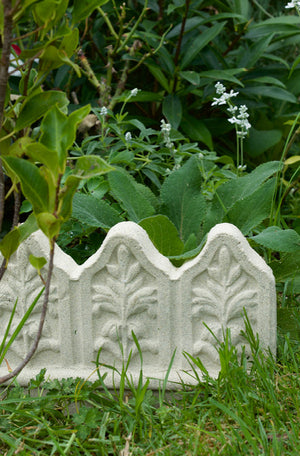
<point x="127" y="285"/>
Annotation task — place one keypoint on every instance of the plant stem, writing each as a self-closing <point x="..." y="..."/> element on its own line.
<point x="130" y="34"/>
<point x="178" y="48"/>
<point x="108" y="23"/>
<point x="4" y="65"/>
<point x="6" y="48"/>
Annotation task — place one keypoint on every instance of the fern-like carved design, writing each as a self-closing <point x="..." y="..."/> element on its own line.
<point x="24" y="284"/>
<point x="124" y="300"/>
<point x="226" y="289"/>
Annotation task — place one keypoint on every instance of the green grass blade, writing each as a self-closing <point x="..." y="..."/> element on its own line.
<point x="8" y="328"/>
<point x="21" y="324"/>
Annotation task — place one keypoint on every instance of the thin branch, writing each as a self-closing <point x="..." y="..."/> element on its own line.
<point x="5" y="58"/>
<point x="2" y="194"/>
<point x="17" y="206"/>
<point x="26" y="35"/>
<point x="4" y="65"/>
<point x="178" y="48"/>
<point x="137" y="22"/>
<point x="2" y="268"/>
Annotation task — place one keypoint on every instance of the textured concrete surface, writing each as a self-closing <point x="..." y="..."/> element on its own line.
<point x="128" y="286"/>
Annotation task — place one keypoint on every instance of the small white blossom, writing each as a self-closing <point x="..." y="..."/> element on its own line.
<point x="128" y="136"/>
<point x="103" y="111"/>
<point x="165" y="127"/>
<point x="134" y="92"/>
<point x="241" y="121"/>
<point x="293" y="4"/>
<point x="232" y="110"/>
<point x="220" y="89"/>
<point x="225" y="96"/>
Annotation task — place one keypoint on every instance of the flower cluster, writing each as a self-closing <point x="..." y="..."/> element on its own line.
<point x="128" y="136"/>
<point x="239" y="118"/>
<point x="293" y="4"/>
<point x="165" y="129"/>
<point x="134" y="92"/>
<point x="224" y="96"/>
<point x="103" y="111"/>
<point x="239" y="115"/>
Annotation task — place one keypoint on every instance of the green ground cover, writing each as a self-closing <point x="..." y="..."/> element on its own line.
<point x="253" y="412"/>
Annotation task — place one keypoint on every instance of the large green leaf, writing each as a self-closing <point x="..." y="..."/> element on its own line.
<point x="182" y="200"/>
<point x="237" y="189"/>
<point x="163" y="234"/>
<point x="270" y="92"/>
<point x="250" y="211"/>
<point x="48" y="12"/>
<point x="52" y="58"/>
<point x="89" y="166"/>
<point x="242" y="187"/>
<point x="128" y="194"/>
<point x="49" y="224"/>
<point x="196" y="130"/>
<point x="255" y="52"/>
<point x="11" y="241"/>
<point x="59" y="131"/>
<point x="41" y="154"/>
<point x="94" y="212"/>
<point x="172" y="110"/>
<point x="83" y="8"/>
<point x="288" y="267"/>
<point x="34" y="185"/>
<point x="66" y="195"/>
<point x="278" y="240"/>
<point x="159" y="76"/>
<point x="282" y="24"/>
<point x="223" y="75"/>
<point x="202" y="40"/>
<point x="261" y="140"/>
<point x="36" y="107"/>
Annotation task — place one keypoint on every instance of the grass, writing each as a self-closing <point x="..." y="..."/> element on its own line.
<point x="244" y="411"/>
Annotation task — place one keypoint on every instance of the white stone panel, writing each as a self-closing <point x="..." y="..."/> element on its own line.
<point x="128" y="286"/>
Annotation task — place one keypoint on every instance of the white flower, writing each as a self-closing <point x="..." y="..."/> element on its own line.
<point x="224" y="97"/>
<point x="293" y="4"/>
<point x="103" y="111"/>
<point x="232" y="110"/>
<point x="128" y="136"/>
<point x="134" y="92"/>
<point x="220" y="89"/>
<point x="241" y="121"/>
<point x="165" y="127"/>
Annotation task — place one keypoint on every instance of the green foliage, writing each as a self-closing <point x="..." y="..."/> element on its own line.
<point x="249" y="408"/>
<point x="163" y="234"/>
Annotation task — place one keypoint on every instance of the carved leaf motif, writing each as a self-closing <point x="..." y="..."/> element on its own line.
<point x="226" y="290"/>
<point x="141" y="301"/>
<point x="125" y="296"/>
<point x="24" y="284"/>
<point x="133" y="270"/>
